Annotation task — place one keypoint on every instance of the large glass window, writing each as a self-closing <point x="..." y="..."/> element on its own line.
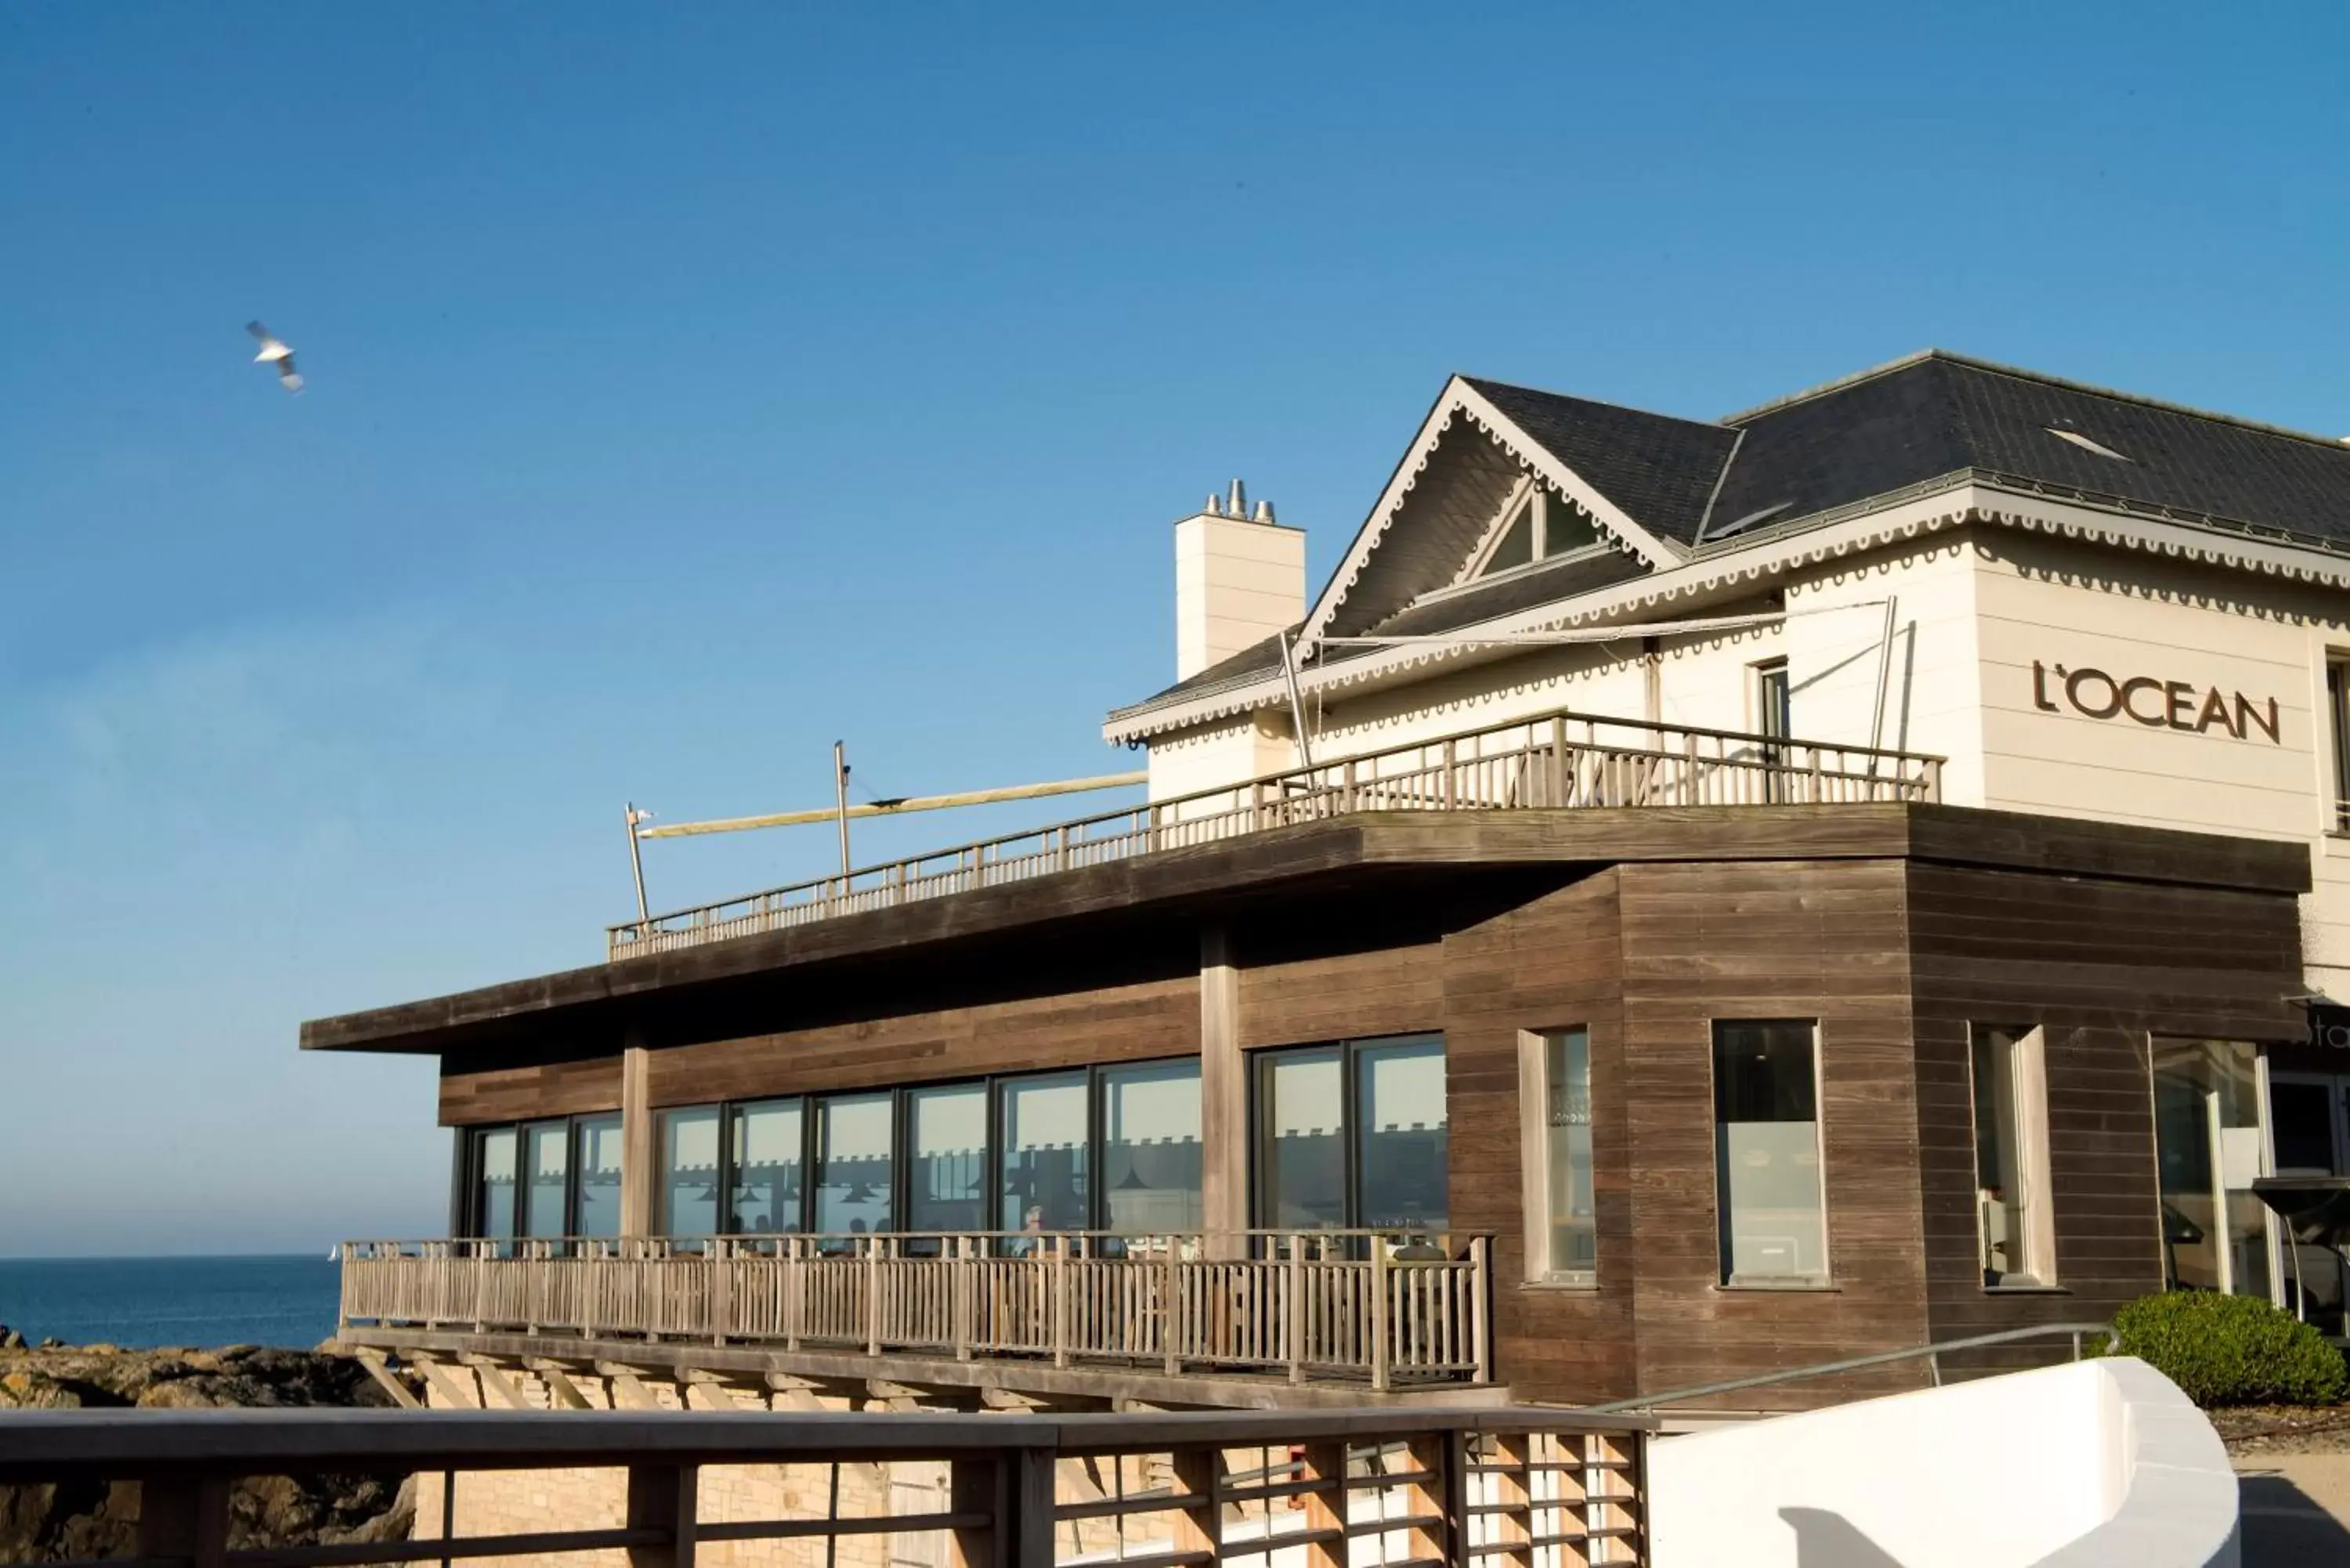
<point x="1301" y="1139"/>
<point x="547" y="1164"/>
<point x="946" y="1177"/>
<point x="689" y="1171"/>
<point x="2015" y="1222"/>
<point x="1399" y="1136"/>
<point x="1150" y="1147"/>
<point x="1562" y="1210"/>
<point x="764" y="1145"/>
<point x="1773" y="1228"/>
<point x="1044" y="1185"/>
<point x="1353" y="1134"/>
<point x="2207" y="1131"/>
<point x="493" y="1182"/>
<point x="854" y="1163"/>
<point x="597" y="1167"/>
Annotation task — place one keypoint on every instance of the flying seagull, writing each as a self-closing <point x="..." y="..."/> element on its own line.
<point x="273" y="352"/>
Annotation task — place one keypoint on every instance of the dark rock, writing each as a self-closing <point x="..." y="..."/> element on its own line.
<point x="88" y="1520"/>
<point x="10" y="1339"/>
<point x="53" y="1343"/>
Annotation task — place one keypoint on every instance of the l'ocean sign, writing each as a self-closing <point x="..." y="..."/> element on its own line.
<point x="2158" y="704"/>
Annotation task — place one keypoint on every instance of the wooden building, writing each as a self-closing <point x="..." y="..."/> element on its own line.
<point x="1567" y="957"/>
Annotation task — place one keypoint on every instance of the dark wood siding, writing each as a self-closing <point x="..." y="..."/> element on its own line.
<point x="1553" y="964"/>
<point x="518" y="1093"/>
<point x="1119" y="1024"/>
<point x="1795" y="939"/>
<point x="2101" y="965"/>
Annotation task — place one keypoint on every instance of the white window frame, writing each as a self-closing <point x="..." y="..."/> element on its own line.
<point x="2027" y="1100"/>
<point x="1533" y="1144"/>
<point x="1729" y="1280"/>
<point x="1542" y="502"/>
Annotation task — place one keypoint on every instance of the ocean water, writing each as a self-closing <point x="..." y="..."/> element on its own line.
<point x="140" y="1303"/>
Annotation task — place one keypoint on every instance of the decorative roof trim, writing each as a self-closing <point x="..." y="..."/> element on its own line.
<point x="1458" y="402"/>
<point x="1959" y="498"/>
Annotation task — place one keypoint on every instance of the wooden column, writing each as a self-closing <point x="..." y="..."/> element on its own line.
<point x="663" y="1498"/>
<point x="639" y="1150"/>
<point x="1223" y="1097"/>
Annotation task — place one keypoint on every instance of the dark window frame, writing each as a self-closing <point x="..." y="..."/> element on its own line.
<point x="2337" y="714"/>
<point x="465" y="1205"/>
<point x="1260" y="1067"/>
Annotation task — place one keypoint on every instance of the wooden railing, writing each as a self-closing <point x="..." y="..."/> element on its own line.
<point x="1536" y="1488"/>
<point x="1319" y="1306"/>
<point x="1563" y="760"/>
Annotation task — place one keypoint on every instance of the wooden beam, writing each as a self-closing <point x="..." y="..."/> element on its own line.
<point x="461" y="1396"/>
<point x="897" y="808"/>
<point x="1223" y="1097"/>
<point x="638" y="1152"/>
<point x="557" y="1378"/>
<point x="495" y="1383"/>
<point x="373" y="1360"/>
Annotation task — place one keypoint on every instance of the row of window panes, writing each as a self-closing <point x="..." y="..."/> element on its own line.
<point x="1769" y="1198"/>
<point x="1005" y="1154"/>
<point x="555" y="1178"/>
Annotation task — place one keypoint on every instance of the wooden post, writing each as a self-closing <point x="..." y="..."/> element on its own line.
<point x="1481" y="1297"/>
<point x="1379" y="1316"/>
<point x="184" y="1519"/>
<point x="1293" y="1310"/>
<point x="1558" y="765"/>
<point x="965" y="1286"/>
<point x="795" y="1292"/>
<point x="1223" y="1100"/>
<point x="872" y="1295"/>
<point x="1171" y="1309"/>
<point x="1324" y="1508"/>
<point x="719" y="1253"/>
<point x="639" y="1150"/>
<point x="1060" y="1286"/>
<point x="661" y="1497"/>
<point x="1199" y="1474"/>
<point x="981" y="1485"/>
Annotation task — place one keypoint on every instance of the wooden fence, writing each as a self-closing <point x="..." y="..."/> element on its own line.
<point x="1561" y="761"/>
<point x="1313" y="1306"/>
<point x="1371" y="1488"/>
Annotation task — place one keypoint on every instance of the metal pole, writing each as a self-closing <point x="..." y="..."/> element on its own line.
<point x="1296" y="708"/>
<point x="1884" y="670"/>
<point x="840" y="799"/>
<point x="636" y="863"/>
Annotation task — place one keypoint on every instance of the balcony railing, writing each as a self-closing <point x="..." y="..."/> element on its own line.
<point x="1562" y="761"/>
<point x="1353" y="1306"/>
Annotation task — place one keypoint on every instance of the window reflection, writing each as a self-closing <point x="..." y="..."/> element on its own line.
<point x="763" y="1150"/>
<point x="1767" y="1152"/>
<point x="2207" y="1131"/>
<point x="1570" y="1218"/>
<point x="1045" y="1137"/>
<point x="546" y="1160"/>
<point x="689" y="1188"/>
<point x="946" y="1177"/>
<point x="1399" y="1135"/>
<point x="1150" y="1147"/>
<point x="597" y="1163"/>
<point x="1302" y="1149"/>
<point x="494" y="1198"/>
<point x="853" y="1168"/>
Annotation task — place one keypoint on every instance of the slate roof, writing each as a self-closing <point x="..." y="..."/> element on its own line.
<point x="1937" y="413"/>
<point x="1933" y="415"/>
<point x="1660" y="469"/>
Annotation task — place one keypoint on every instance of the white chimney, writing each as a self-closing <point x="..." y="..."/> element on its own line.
<point x="1238" y="579"/>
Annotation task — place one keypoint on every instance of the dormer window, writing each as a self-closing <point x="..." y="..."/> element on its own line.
<point x="1536" y="524"/>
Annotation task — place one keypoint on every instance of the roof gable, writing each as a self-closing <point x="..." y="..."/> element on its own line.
<point x="1475" y="445"/>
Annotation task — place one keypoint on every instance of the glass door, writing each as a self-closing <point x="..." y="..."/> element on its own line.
<point x="2309" y="1126"/>
<point x="2208" y="1148"/>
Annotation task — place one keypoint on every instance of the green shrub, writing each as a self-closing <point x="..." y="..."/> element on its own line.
<point x="2231" y="1350"/>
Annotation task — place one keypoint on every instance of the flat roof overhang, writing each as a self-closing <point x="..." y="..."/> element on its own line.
<point x="1391" y="852"/>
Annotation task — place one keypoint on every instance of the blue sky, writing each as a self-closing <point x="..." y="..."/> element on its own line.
<point x="691" y="388"/>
